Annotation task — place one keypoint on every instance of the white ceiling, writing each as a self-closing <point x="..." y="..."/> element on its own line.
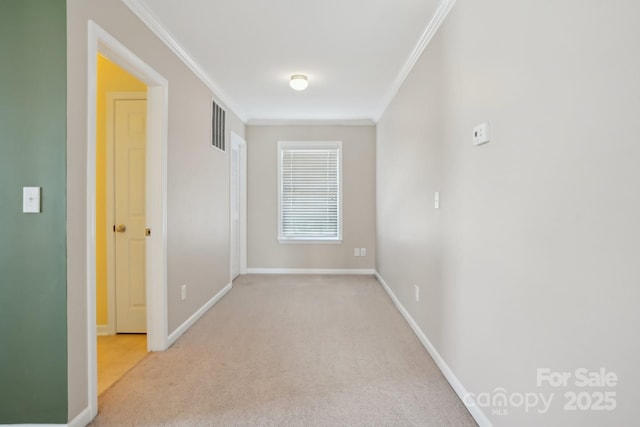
<point x="355" y="52"/>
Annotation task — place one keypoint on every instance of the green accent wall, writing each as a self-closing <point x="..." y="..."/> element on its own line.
<point x="33" y="275"/>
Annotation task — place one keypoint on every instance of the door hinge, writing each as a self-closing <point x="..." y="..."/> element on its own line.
<point x="147" y="232"/>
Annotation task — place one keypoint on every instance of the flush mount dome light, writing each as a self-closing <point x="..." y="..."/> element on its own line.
<point x="299" y="82"/>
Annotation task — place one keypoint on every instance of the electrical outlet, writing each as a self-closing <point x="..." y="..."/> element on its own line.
<point x="363" y="251"/>
<point x="356" y="252"/>
<point x="183" y="289"/>
<point x="417" y="293"/>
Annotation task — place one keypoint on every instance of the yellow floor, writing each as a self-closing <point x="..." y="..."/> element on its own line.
<point x="116" y="355"/>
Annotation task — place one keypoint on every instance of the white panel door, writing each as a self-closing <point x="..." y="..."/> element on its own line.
<point x="130" y="221"/>
<point x="235" y="211"/>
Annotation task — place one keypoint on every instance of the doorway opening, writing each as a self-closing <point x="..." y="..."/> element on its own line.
<point x="238" y="204"/>
<point x="154" y="159"/>
<point x="120" y="199"/>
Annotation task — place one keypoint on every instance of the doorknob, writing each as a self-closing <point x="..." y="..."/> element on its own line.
<point x="121" y="228"/>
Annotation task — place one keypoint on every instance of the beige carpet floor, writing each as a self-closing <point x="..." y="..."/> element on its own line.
<point x="290" y="351"/>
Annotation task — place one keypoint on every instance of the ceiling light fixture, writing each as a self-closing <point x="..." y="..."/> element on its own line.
<point x="299" y="82"/>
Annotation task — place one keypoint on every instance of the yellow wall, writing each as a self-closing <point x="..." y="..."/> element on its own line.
<point x="111" y="78"/>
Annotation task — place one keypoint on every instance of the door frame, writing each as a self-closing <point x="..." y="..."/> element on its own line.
<point x="100" y="41"/>
<point x="112" y="97"/>
<point x="238" y="142"/>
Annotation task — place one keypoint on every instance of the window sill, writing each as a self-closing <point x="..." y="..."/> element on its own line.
<point x="309" y="242"/>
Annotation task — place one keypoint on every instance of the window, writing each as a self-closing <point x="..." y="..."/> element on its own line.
<point x="310" y="193"/>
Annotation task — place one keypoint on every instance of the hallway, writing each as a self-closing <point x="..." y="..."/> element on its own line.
<point x="290" y="350"/>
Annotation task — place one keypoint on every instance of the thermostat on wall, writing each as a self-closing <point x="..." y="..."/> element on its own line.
<point x="482" y="133"/>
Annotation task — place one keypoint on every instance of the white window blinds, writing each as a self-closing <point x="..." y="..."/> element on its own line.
<point x="310" y="193"/>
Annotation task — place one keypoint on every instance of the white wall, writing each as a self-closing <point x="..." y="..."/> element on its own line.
<point x="198" y="179"/>
<point x="532" y="260"/>
<point x="358" y="156"/>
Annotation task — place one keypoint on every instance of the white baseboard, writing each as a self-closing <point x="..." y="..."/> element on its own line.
<point x="81" y="420"/>
<point x="102" y="330"/>
<point x="197" y="315"/>
<point x="458" y="387"/>
<point x="362" y="271"/>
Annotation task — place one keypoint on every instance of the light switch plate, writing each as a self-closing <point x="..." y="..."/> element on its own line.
<point x="31" y="199"/>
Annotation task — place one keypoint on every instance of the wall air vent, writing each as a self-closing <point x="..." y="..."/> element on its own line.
<point x="217" y="126"/>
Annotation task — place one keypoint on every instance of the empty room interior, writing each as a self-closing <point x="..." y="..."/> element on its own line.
<point x="409" y="213"/>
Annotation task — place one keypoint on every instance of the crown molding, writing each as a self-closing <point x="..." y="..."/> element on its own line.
<point x="433" y="26"/>
<point x="155" y="25"/>
<point x="304" y="122"/>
